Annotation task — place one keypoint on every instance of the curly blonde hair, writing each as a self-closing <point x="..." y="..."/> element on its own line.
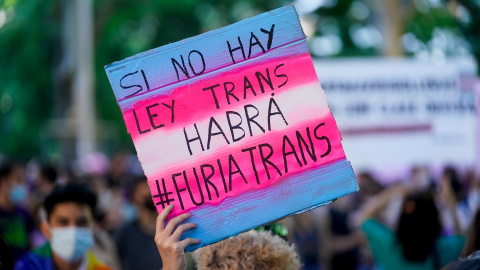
<point x="250" y="250"/>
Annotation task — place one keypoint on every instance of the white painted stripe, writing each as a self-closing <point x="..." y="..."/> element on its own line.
<point x="162" y="148"/>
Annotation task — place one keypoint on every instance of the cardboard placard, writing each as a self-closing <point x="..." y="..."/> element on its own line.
<point x="233" y="126"/>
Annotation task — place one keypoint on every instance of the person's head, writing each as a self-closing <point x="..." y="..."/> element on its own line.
<point x="142" y="198"/>
<point x="368" y="184"/>
<point x="420" y="178"/>
<point x="250" y="250"/>
<point x="419" y="227"/>
<point x="69" y="221"/>
<point x="451" y="180"/>
<point x="46" y="179"/>
<point x="11" y="183"/>
<point x="6" y="179"/>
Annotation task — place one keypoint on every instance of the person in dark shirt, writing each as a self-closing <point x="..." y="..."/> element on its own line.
<point x="417" y="242"/>
<point x="6" y="260"/>
<point x="69" y="229"/>
<point x="140" y="233"/>
<point x="16" y="223"/>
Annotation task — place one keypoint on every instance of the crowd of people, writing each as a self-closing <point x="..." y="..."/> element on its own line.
<point x="97" y="213"/>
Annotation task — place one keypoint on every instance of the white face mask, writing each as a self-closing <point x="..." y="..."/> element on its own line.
<point x="71" y="243"/>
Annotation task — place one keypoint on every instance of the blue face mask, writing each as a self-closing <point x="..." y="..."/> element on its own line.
<point x="18" y="193"/>
<point x="71" y="243"/>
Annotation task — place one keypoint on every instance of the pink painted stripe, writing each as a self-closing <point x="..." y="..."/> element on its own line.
<point x="275" y="139"/>
<point x="192" y="103"/>
<point x="164" y="148"/>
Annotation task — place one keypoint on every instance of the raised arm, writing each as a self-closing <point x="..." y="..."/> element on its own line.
<point x="377" y="203"/>
<point x="449" y="197"/>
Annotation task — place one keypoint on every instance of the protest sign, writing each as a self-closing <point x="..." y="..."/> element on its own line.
<point x="233" y="126"/>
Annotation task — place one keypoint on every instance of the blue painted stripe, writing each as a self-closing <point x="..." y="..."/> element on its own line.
<point x="158" y="68"/>
<point x="249" y="210"/>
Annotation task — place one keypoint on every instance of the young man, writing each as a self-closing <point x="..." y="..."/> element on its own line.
<point x="139" y="233"/>
<point x="69" y="230"/>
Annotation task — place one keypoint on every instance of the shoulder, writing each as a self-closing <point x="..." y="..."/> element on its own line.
<point x="38" y="259"/>
<point x="125" y="230"/>
<point x="127" y="227"/>
<point x="43" y="251"/>
<point x="377" y="233"/>
<point x="449" y="248"/>
<point x="451" y="243"/>
<point x="96" y="264"/>
<point x="372" y="226"/>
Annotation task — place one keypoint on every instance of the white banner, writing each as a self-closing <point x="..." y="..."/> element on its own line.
<point x="394" y="114"/>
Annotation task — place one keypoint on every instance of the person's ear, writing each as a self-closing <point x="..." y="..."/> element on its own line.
<point x="90" y="216"/>
<point x="44" y="228"/>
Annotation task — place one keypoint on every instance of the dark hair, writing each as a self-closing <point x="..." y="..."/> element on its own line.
<point x="369" y="184"/>
<point x="138" y="181"/>
<point x="70" y="193"/>
<point x="6" y="169"/>
<point x="49" y="173"/>
<point x="454" y="181"/>
<point x="419" y="227"/>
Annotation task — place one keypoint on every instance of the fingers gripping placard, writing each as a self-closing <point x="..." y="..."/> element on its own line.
<point x="233" y="126"/>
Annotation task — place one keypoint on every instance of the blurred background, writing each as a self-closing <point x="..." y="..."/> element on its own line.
<point x="401" y="78"/>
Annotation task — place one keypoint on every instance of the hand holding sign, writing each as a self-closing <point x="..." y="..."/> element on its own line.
<point x="168" y="241"/>
<point x="233" y="126"/>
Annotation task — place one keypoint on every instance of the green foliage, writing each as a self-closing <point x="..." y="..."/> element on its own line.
<point x="422" y="24"/>
<point x="339" y="18"/>
<point x="469" y="24"/>
<point x="30" y="49"/>
<point x="27" y="50"/>
<point x="124" y="28"/>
